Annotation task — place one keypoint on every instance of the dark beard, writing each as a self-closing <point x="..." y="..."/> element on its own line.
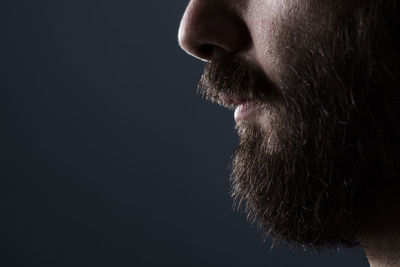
<point x="316" y="172"/>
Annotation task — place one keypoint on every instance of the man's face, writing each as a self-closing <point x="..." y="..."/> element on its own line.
<point x="314" y="108"/>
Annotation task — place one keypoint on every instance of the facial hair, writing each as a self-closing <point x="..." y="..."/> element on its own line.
<point x="316" y="168"/>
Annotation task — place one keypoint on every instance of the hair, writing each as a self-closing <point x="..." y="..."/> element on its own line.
<point x="318" y="173"/>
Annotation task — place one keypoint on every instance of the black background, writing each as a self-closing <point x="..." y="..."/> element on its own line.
<point x="108" y="156"/>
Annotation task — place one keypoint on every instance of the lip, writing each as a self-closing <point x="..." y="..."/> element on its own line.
<point x="230" y="101"/>
<point x="245" y="110"/>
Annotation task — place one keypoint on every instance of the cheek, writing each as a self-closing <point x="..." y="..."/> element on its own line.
<point x="278" y="27"/>
<point x="268" y="21"/>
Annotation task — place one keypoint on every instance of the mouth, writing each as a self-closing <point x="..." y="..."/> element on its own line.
<point x="244" y="107"/>
<point x="230" y="101"/>
<point x="246" y="110"/>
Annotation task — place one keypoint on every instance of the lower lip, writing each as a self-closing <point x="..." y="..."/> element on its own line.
<point x="246" y="110"/>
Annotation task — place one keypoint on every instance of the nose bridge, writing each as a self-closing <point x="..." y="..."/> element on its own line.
<point x="211" y="27"/>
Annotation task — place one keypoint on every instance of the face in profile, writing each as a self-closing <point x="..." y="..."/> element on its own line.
<point x="315" y="93"/>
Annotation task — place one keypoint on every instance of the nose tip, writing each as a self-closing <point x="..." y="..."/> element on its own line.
<point x="210" y="29"/>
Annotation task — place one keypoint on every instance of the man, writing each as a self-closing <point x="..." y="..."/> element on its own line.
<point x="315" y="85"/>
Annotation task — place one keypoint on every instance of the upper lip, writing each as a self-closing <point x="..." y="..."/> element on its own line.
<point x="231" y="101"/>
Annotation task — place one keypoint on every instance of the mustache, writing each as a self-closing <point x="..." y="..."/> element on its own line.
<point x="229" y="81"/>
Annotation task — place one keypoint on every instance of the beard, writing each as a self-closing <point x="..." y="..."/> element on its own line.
<point x="315" y="167"/>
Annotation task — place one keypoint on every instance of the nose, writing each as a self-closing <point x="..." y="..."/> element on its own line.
<point x="212" y="28"/>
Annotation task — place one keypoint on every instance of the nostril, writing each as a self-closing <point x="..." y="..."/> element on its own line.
<point x="210" y="52"/>
<point x="206" y="51"/>
<point x="211" y="29"/>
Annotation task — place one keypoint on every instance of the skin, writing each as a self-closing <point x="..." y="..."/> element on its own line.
<point x="257" y="31"/>
<point x="247" y="28"/>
